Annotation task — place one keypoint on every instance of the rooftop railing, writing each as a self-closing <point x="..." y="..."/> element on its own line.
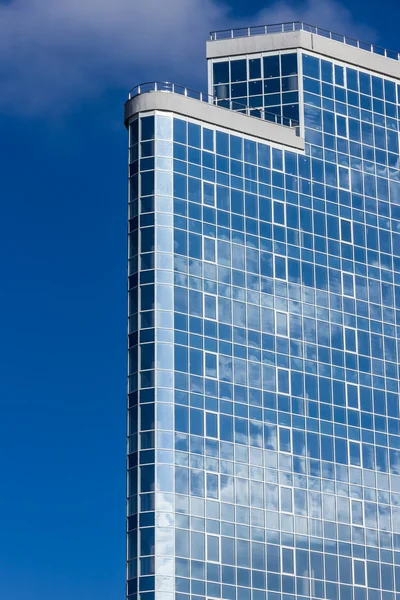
<point x="299" y="26"/>
<point x="173" y="88"/>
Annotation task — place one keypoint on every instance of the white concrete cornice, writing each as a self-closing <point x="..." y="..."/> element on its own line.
<point x="213" y="115"/>
<point x="304" y="40"/>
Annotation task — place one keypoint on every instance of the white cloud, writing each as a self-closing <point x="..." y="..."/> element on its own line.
<point x="56" y="52"/>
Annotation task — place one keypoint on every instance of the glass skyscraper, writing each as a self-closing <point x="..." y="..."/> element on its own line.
<point x="264" y="324"/>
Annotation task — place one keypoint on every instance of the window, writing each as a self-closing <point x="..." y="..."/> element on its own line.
<point x="277" y="159"/>
<point x="342" y="128"/>
<point x="280" y="267"/>
<point x="211" y="423"/>
<point x="283" y="381"/>
<point x="359" y="572"/>
<point x="211" y="365"/>
<point x="279" y="213"/>
<point x="281" y="323"/>
<point x="346" y="232"/>
<point x="238" y="70"/>
<point x="352" y="395"/>
<point x="339" y="75"/>
<point x="208" y="139"/>
<point x="350" y="339"/>
<point x="209" y="249"/>
<point x="287" y="560"/>
<point x="348" y="284"/>
<point x="213" y="547"/>
<point x="344" y="177"/>
<point x="210" y="307"/>
<point x="255" y="68"/>
<point x="271" y="66"/>
<point x="212" y="491"/>
<point x="221" y="72"/>
<point x="286" y="494"/>
<point x="311" y="66"/>
<point x="208" y="193"/>
<point x="289" y="64"/>
<point x="355" y="453"/>
<point x="285" y="444"/>
<point x="357" y="512"/>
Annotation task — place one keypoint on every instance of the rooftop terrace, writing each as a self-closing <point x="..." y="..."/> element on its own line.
<point x="299" y="26"/>
<point x="173" y="88"/>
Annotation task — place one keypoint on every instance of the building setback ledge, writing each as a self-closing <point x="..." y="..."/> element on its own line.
<point x="214" y="115"/>
<point x="304" y="40"/>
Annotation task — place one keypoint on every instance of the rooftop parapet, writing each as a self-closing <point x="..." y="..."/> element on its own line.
<point x="175" y="99"/>
<point x="226" y="34"/>
<point x="173" y="88"/>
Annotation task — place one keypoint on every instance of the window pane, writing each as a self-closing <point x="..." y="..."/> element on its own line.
<point x="255" y="68"/>
<point x="238" y="70"/>
<point x="211" y="425"/>
<point x="289" y="64"/>
<point x="221" y="72"/>
<point x="271" y="66"/>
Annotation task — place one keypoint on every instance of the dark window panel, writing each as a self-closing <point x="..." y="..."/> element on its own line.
<point x="221" y="72"/>
<point x="271" y="66"/>
<point x="238" y="70"/>
<point x="288" y="64"/>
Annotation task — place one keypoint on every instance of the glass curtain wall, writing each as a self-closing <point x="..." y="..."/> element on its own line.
<point x="264" y="436"/>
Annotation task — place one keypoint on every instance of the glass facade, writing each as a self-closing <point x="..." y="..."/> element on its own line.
<point x="264" y="332"/>
<point x="268" y="82"/>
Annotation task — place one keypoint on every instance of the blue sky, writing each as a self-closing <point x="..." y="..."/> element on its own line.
<point x="66" y="70"/>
